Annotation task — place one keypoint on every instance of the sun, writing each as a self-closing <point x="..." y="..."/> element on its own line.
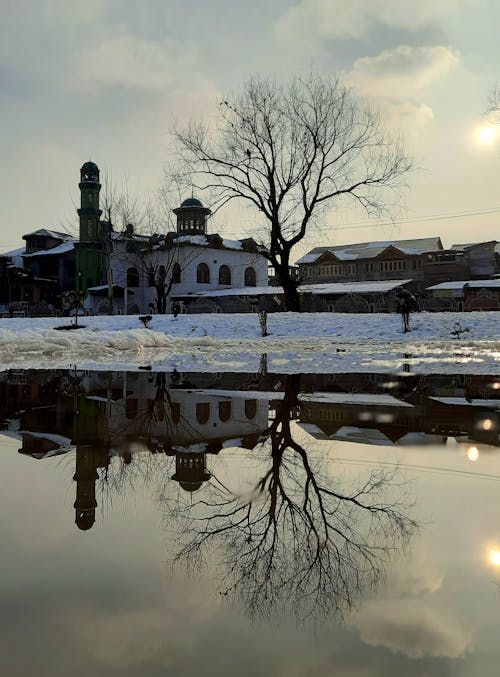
<point x="494" y="557"/>
<point x="486" y="134"/>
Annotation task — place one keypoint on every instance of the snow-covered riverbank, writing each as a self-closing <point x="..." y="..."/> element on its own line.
<point x="319" y="342"/>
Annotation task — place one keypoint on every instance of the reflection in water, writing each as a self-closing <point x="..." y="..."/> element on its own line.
<point x="299" y="535"/>
<point x="297" y="539"/>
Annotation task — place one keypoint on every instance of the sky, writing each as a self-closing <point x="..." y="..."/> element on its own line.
<point x="107" y="79"/>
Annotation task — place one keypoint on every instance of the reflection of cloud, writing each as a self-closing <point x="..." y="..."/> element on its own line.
<point x="402" y="72"/>
<point x="411" y="627"/>
<point x="421" y="575"/>
<point x="326" y="19"/>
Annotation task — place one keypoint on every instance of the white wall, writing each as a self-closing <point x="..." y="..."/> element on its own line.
<point x="189" y="257"/>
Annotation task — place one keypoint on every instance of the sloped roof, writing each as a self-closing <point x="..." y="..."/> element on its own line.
<point x="376" y="286"/>
<point x="50" y="233"/>
<point x="369" y="250"/>
<point x="60" y="249"/>
<point x="491" y="283"/>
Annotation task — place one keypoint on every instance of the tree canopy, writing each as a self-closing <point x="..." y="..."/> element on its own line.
<point x="291" y="151"/>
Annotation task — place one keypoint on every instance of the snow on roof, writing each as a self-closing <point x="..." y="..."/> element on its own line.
<point x="16" y="256"/>
<point x="365" y="399"/>
<point x="364" y="435"/>
<point x="462" y="402"/>
<point x="199" y="240"/>
<point x="237" y="291"/>
<point x="60" y="249"/>
<point x="368" y="250"/>
<point x="50" y="233"/>
<point x="492" y="283"/>
<point x="460" y="247"/>
<point x="375" y="286"/>
<point x="232" y="244"/>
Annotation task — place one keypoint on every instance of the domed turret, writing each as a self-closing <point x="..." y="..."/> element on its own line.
<point x="192" y="217"/>
<point x="190" y="470"/>
<point x="89" y="171"/>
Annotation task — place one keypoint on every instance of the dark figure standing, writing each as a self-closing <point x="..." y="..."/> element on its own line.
<point x="406" y="303"/>
<point x="176" y="308"/>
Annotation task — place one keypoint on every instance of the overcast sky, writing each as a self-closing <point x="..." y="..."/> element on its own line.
<point x="105" y="79"/>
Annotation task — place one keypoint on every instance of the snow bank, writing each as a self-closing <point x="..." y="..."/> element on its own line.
<point x="308" y="342"/>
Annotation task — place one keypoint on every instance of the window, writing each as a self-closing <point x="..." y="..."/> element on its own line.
<point x="250" y="408"/>
<point x="202" y="412"/>
<point x="224" y="275"/>
<point x="132" y="277"/>
<point x="202" y="274"/>
<point x="330" y="270"/>
<point x="176" y="273"/>
<point x="225" y="410"/>
<point x="351" y="269"/>
<point x="250" y="277"/>
<point x="392" y="266"/>
<point x="370" y="267"/>
<point x="151" y="277"/>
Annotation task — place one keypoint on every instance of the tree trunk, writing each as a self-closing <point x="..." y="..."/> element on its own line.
<point x="290" y="291"/>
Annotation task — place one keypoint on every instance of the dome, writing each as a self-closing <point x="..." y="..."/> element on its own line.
<point x="191" y="202"/>
<point x="89" y="167"/>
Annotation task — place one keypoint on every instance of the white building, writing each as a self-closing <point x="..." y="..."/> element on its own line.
<point x="146" y="273"/>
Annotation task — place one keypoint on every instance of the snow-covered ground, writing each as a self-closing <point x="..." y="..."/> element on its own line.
<point x="308" y="342"/>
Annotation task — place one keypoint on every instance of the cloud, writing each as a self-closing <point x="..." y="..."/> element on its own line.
<point x="397" y="80"/>
<point x="411" y="627"/>
<point x="128" y="61"/>
<point x="353" y="19"/>
<point x="402" y="72"/>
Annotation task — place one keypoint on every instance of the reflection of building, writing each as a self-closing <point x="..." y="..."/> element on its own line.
<point x="113" y="417"/>
<point x="409" y="409"/>
<point x="106" y="415"/>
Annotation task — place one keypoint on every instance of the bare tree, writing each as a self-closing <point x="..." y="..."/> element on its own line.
<point x="291" y="151"/>
<point x="299" y="538"/>
<point x="161" y="259"/>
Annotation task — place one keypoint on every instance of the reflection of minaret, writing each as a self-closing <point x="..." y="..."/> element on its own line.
<point x="190" y="470"/>
<point x="85" y="477"/>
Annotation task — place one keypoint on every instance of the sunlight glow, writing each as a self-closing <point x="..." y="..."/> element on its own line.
<point x="495" y="557"/>
<point x="473" y="453"/>
<point x="486" y="134"/>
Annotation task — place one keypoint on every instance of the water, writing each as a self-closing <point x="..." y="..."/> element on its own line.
<point x="178" y="523"/>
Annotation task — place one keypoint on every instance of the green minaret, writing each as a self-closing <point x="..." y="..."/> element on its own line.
<point x="89" y="249"/>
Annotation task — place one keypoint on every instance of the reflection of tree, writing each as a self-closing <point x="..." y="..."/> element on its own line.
<point x="298" y="539"/>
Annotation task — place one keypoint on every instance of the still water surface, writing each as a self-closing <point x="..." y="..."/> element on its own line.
<point x="178" y="523"/>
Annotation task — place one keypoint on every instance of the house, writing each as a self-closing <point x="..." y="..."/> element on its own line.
<point x="33" y="277"/>
<point x="415" y="264"/>
<point x="370" y="261"/>
<point x="466" y="295"/>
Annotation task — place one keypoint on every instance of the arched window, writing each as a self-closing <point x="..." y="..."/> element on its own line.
<point x="176" y="273"/>
<point x="132" y="277"/>
<point x="250" y="408"/>
<point x="224" y="275"/>
<point x="202" y="274"/>
<point x="202" y="412"/>
<point x="225" y="410"/>
<point x="250" y="277"/>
